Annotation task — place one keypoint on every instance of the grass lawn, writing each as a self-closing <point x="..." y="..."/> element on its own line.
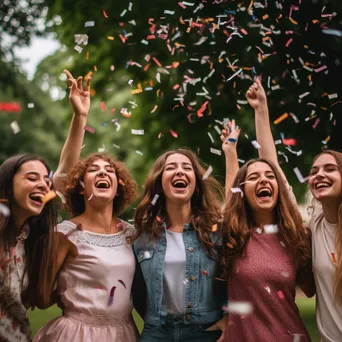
<point x="306" y="306"/>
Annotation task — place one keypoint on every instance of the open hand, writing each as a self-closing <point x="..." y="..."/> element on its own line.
<point x="79" y="98"/>
<point x="256" y="95"/>
<point x="230" y="136"/>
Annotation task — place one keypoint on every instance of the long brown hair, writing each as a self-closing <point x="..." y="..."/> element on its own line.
<point x="205" y="204"/>
<point x="127" y="190"/>
<point x="338" y="240"/>
<point x="40" y="246"/>
<point x="238" y="221"/>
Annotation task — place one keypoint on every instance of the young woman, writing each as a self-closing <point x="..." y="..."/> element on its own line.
<point x="26" y="226"/>
<point x="178" y="250"/>
<point x="325" y="186"/>
<point x="95" y="264"/>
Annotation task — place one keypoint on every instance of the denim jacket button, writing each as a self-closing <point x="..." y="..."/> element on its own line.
<point x="188" y="317"/>
<point x="193" y="277"/>
<point x="190" y="305"/>
<point x="191" y="249"/>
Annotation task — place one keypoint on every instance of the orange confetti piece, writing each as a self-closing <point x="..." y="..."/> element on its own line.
<point x="49" y="196"/>
<point x="110" y="38"/>
<point x="327" y="138"/>
<point x="293" y="21"/>
<point x="87" y="55"/>
<point x="265" y="16"/>
<point x="88" y="75"/>
<point x="126" y="115"/>
<point x="214" y="228"/>
<point x="121" y="182"/>
<point x="95" y="68"/>
<point x="173" y="133"/>
<point x="175" y="65"/>
<point x="333" y="258"/>
<point x="105" y="14"/>
<point x="138" y="90"/>
<point x="281" y="118"/>
<point x="154" y="109"/>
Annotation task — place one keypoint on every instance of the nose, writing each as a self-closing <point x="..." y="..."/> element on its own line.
<point x="320" y="174"/>
<point x="180" y="172"/>
<point x="43" y="186"/>
<point x="263" y="180"/>
<point x="102" y="172"/>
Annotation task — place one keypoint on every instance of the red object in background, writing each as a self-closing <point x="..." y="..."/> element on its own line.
<point x="10" y="107"/>
<point x="290" y="142"/>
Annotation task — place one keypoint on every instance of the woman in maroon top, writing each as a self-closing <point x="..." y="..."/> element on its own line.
<point x="266" y="255"/>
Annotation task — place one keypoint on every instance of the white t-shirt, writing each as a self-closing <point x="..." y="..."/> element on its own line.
<point x="174" y="273"/>
<point x="328" y="310"/>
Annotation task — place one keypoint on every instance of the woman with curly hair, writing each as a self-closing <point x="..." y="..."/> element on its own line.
<point x="178" y="250"/>
<point x="95" y="264"/>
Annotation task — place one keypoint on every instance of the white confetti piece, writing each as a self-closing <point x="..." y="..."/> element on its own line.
<point x="236" y="190"/>
<point x="255" y="144"/>
<point x="137" y="131"/>
<point x="155" y="199"/>
<point x="207" y="173"/>
<point x="270" y="228"/>
<point x="15" y="127"/>
<point x="285" y="274"/>
<point x="30" y="105"/>
<point x="91" y="196"/>
<point x="82" y="184"/>
<point x="4" y="210"/>
<point x="211" y="138"/>
<point x="259" y="230"/>
<point x="139" y="152"/>
<point x="169" y="12"/>
<point x="61" y="196"/>
<point x="81" y="39"/>
<point x="240" y="308"/>
<point x="78" y="48"/>
<point x="299" y="175"/>
<point x="89" y="24"/>
<point x="215" y="151"/>
<point x="333" y="96"/>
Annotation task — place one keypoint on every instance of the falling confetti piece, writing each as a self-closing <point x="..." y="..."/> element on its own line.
<point x="255" y="144"/>
<point x="89" y="24"/>
<point x="61" y="196"/>
<point x="105" y="14"/>
<point x="215" y="151"/>
<point x="207" y="173"/>
<point x="15" y="127"/>
<point x="333" y="258"/>
<point x="49" y="196"/>
<point x="236" y="190"/>
<point x="4" y="210"/>
<point x="281" y="118"/>
<point x="91" y="196"/>
<point x="137" y="131"/>
<point x="239" y="308"/>
<point x="155" y="199"/>
<point x="173" y="133"/>
<point x="89" y="129"/>
<point x="280" y="294"/>
<point x="270" y="228"/>
<point x="214" y="228"/>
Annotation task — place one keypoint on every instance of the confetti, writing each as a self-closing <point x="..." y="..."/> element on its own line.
<point x="4" y="210"/>
<point x="239" y="308"/>
<point x="281" y="118"/>
<point x="61" y="196"/>
<point x="137" y="131"/>
<point x="270" y="228"/>
<point x="89" y="129"/>
<point x="15" y="127"/>
<point x="30" y="105"/>
<point x="237" y="190"/>
<point x="89" y="24"/>
<point x="280" y="294"/>
<point x="155" y="199"/>
<point x="173" y="133"/>
<point x="215" y="151"/>
<point x="255" y="144"/>
<point x="207" y="173"/>
<point x="333" y="258"/>
<point x="91" y="196"/>
<point x="49" y="196"/>
<point x="214" y="228"/>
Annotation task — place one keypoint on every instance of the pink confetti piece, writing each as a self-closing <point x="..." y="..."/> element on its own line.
<point x="103" y="106"/>
<point x="91" y="196"/>
<point x="280" y="294"/>
<point x="155" y="199"/>
<point x="255" y="144"/>
<point x="289" y="42"/>
<point x="237" y="190"/>
<point x="156" y="61"/>
<point x="323" y="67"/>
<point x="89" y="129"/>
<point x="111" y="296"/>
<point x="154" y="109"/>
<point x="289" y="142"/>
<point x="316" y="123"/>
<point x="173" y="133"/>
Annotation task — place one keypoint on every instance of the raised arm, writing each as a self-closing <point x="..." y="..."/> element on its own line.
<point x="80" y="101"/>
<point x="256" y="97"/>
<point x="229" y="138"/>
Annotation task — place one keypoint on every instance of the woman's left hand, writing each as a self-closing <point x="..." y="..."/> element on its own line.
<point x="219" y="325"/>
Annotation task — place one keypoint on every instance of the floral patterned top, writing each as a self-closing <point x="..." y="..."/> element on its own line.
<point x="14" y="323"/>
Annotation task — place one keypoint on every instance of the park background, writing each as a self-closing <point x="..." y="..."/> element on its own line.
<point x="172" y="72"/>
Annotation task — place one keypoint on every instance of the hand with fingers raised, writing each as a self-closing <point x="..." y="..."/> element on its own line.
<point x="230" y="136"/>
<point x="256" y="95"/>
<point x="79" y="98"/>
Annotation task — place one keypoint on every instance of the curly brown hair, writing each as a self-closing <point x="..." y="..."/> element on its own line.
<point x="238" y="221"/>
<point x="127" y="190"/>
<point x="205" y="202"/>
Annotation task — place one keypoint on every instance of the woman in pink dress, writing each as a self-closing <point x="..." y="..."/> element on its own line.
<point x="96" y="265"/>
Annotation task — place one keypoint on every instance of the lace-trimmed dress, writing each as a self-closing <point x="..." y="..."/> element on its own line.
<point x="95" y="289"/>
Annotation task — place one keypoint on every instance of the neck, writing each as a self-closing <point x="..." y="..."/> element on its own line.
<point x="262" y="219"/>
<point x="330" y="210"/>
<point x="99" y="217"/>
<point x="178" y="214"/>
<point x="18" y="220"/>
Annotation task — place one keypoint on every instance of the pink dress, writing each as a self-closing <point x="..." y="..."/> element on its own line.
<point x="265" y="276"/>
<point x="95" y="289"/>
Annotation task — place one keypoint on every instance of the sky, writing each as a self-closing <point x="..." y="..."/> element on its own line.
<point x="35" y="53"/>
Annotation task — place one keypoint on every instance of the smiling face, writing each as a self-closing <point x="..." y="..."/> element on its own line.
<point x="325" y="178"/>
<point x="261" y="188"/>
<point x="100" y="181"/>
<point x="178" y="179"/>
<point x="30" y="184"/>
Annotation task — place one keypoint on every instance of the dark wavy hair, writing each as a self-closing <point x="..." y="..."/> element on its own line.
<point x="338" y="241"/>
<point x="40" y="246"/>
<point x="205" y="204"/>
<point x="238" y="221"/>
<point x="127" y="190"/>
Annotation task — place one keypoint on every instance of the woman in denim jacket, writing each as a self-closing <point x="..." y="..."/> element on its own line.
<point x="177" y="249"/>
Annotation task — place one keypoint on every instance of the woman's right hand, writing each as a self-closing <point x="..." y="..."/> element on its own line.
<point x="230" y="136"/>
<point x="256" y="95"/>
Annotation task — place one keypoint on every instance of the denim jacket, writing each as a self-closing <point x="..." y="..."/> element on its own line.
<point x="204" y="294"/>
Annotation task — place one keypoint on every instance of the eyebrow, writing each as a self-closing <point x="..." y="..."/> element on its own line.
<point x="174" y="163"/>
<point x="325" y="165"/>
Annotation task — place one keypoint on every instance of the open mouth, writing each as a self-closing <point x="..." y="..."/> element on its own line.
<point x="102" y="184"/>
<point x="37" y="197"/>
<point x="321" y="185"/>
<point x="264" y="192"/>
<point x="179" y="184"/>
